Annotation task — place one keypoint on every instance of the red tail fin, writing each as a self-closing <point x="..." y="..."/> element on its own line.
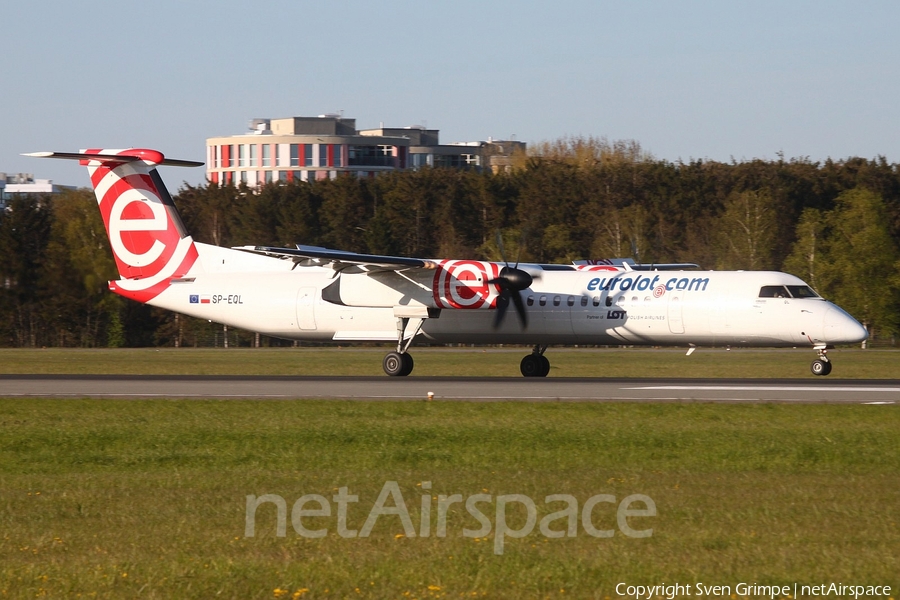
<point x="148" y="239"/>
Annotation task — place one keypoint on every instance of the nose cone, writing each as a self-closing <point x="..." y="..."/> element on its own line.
<point x="841" y="328"/>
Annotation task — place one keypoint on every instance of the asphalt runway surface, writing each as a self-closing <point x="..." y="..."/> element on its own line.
<point x="453" y="388"/>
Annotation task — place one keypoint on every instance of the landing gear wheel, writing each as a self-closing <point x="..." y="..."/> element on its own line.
<point x="397" y="365"/>
<point x="407" y="364"/>
<point x="535" y="365"/>
<point x="820" y="367"/>
<point x="545" y="366"/>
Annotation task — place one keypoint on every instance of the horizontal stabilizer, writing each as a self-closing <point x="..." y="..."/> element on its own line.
<point x="149" y="156"/>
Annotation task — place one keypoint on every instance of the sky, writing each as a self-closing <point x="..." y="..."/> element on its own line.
<point x="687" y="80"/>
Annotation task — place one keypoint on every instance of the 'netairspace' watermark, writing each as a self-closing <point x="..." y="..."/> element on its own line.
<point x="560" y="523"/>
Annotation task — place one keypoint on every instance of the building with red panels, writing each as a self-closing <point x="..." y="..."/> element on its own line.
<point x="314" y="148"/>
<point x="302" y="148"/>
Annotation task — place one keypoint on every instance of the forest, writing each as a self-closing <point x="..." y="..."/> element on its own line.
<point x="834" y="223"/>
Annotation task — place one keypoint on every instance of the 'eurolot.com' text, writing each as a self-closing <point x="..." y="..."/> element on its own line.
<point x="391" y="504"/>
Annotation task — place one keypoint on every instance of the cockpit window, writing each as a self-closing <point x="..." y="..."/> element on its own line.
<point x="802" y="291"/>
<point x="773" y="291"/>
<point x="787" y="291"/>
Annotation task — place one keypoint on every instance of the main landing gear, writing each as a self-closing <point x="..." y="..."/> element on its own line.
<point x="535" y="364"/>
<point x="821" y="366"/>
<point x="400" y="363"/>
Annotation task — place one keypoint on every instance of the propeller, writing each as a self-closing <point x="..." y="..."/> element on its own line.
<point x="511" y="281"/>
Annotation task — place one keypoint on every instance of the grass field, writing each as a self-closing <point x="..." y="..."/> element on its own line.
<point x="148" y="498"/>
<point x="849" y="363"/>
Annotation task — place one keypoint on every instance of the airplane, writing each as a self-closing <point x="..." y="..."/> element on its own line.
<point x="322" y="295"/>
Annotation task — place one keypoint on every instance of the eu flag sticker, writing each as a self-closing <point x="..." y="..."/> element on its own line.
<point x="195" y="299"/>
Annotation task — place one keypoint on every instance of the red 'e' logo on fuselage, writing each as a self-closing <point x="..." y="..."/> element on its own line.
<point x="464" y="284"/>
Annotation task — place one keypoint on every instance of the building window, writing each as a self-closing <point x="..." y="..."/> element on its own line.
<point x="283" y="176"/>
<point x="295" y="155"/>
<point x="323" y="155"/>
<point x="308" y="155"/>
<point x="253" y="159"/>
<point x="371" y="156"/>
<point x="421" y="160"/>
<point x="336" y="155"/>
<point x="242" y="156"/>
<point x="268" y="176"/>
<point x="267" y="155"/>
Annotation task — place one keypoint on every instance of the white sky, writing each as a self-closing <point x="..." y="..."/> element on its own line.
<point x="685" y="79"/>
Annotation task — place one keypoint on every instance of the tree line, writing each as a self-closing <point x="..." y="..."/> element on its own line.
<point x="835" y="224"/>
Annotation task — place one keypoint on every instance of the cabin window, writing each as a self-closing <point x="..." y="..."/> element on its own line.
<point x="530" y="301"/>
<point x="543" y="301"/>
<point x="773" y="291"/>
<point x="647" y="299"/>
<point x="584" y="300"/>
<point x="596" y="300"/>
<point x="557" y="300"/>
<point x="634" y="299"/>
<point x="802" y="291"/>
<point x="609" y="301"/>
<point x="620" y="300"/>
<point x="571" y="301"/>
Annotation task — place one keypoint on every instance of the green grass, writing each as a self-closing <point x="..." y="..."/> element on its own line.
<point x="566" y="362"/>
<point x="147" y="498"/>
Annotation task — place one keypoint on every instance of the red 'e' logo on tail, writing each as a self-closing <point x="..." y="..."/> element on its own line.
<point x="146" y="242"/>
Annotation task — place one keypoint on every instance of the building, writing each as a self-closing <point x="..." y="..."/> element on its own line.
<point x="314" y="148"/>
<point x="25" y="183"/>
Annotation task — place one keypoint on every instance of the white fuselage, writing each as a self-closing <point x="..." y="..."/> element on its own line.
<point x="703" y="308"/>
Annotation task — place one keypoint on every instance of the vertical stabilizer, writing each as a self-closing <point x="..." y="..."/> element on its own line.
<point x="146" y="234"/>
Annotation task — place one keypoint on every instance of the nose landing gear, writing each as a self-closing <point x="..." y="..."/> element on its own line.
<point x="821" y="366"/>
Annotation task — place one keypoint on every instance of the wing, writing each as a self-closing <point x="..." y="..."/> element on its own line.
<point x="312" y="256"/>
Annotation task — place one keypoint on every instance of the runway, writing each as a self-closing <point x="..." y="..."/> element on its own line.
<point x="453" y="388"/>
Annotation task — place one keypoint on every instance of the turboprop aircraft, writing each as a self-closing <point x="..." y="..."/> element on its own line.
<point x="316" y="294"/>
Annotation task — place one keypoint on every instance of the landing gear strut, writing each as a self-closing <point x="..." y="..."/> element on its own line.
<point x="821" y="366"/>
<point x="535" y="364"/>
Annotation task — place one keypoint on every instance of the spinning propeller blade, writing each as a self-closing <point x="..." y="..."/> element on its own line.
<point x="511" y="281"/>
